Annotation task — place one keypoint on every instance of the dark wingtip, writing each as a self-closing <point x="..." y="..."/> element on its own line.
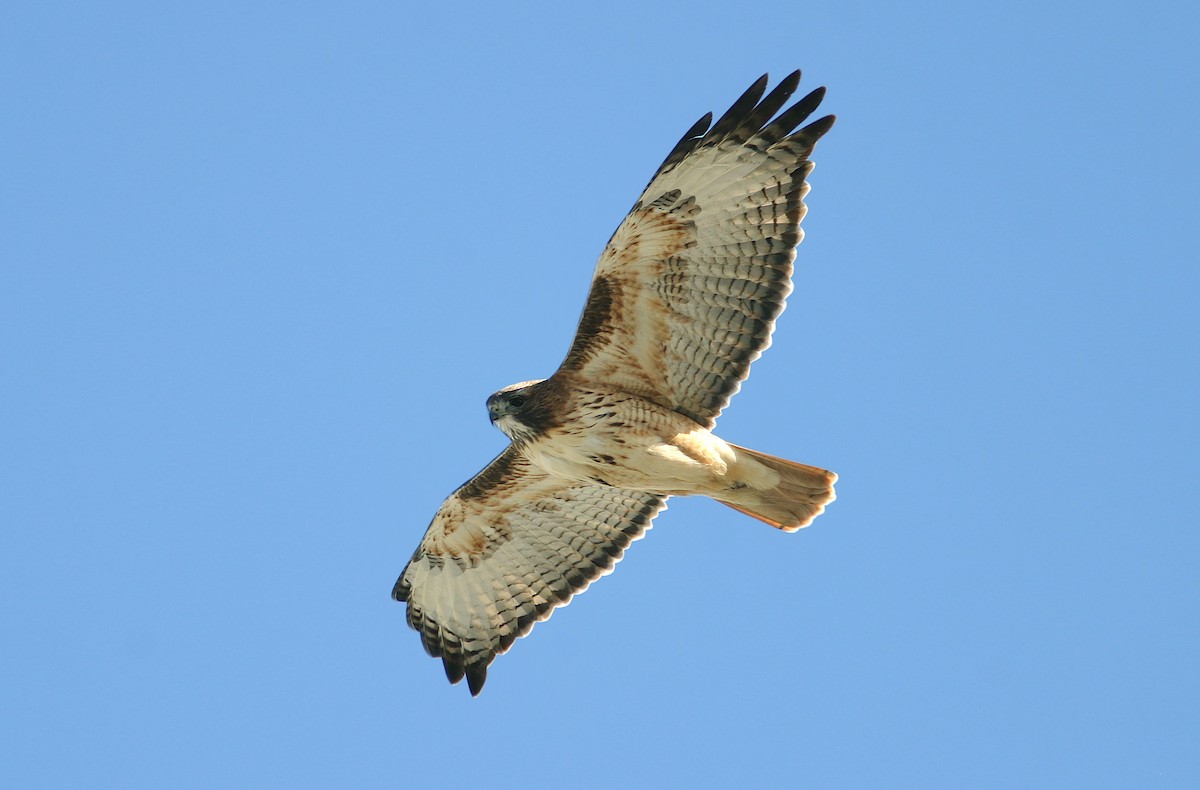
<point x="476" y="677"/>
<point x="819" y="127"/>
<point x="686" y="143"/>
<point x="792" y="81"/>
<point x="790" y="118"/>
<point x="700" y="126"/>
<point x="733" y="117"/>
<point x="454" y="670"/>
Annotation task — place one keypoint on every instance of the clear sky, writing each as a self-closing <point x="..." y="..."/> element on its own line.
<point x="261" y="264"/>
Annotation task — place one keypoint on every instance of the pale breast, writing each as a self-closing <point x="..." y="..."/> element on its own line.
<point x="613" y="438"/>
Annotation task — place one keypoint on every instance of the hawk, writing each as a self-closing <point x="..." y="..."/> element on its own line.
<point x="683" y="299"/>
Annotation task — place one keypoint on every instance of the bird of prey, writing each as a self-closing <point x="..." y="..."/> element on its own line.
<point x="683" y="299"/>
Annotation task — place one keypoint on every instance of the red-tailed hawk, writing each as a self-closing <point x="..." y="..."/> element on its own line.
<point x="684" y="298"/>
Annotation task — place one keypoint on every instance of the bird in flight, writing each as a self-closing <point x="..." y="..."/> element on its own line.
<point x="683" y="299"/>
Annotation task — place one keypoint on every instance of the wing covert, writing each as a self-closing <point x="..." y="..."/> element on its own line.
<point x="685" y="295"/>
<point x="504" y="551"/>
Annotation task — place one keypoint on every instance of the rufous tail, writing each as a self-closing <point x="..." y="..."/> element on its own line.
<point x="800" y="495"/>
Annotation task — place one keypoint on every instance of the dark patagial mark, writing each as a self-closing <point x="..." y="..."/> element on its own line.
<point x="593" y="324"/>
<point x="500" y="470"/>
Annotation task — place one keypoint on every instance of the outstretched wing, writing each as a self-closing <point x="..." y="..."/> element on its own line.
<point x="504" y="550"/>
<point x="686" y="293"/>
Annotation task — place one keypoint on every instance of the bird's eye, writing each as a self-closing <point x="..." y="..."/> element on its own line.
<point x="516" y="401"/>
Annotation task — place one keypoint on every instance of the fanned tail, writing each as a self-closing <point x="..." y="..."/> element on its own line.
<point x="799" y="496"/>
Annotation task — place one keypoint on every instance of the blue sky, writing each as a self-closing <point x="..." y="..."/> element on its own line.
<point x="262" y="263"/>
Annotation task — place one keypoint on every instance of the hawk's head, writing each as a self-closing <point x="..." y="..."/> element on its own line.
<point x="523" y="410"/>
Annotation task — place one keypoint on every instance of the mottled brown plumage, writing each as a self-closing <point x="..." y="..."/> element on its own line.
<point x="683" y="300"/>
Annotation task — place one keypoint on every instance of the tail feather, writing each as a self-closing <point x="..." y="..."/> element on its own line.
<point x="801" y="494"/>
